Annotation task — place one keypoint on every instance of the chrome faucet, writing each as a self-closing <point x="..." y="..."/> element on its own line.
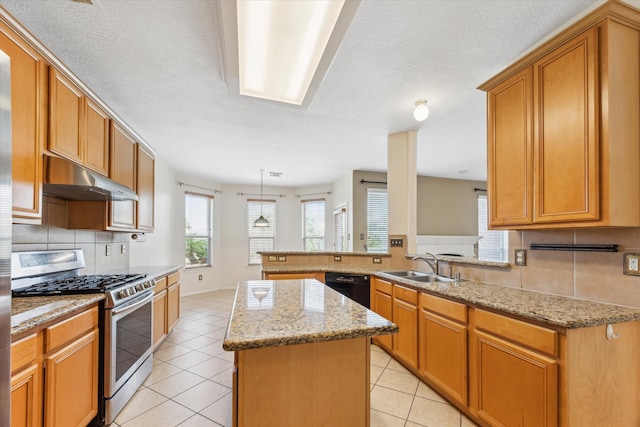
<point x="433" y="262"/>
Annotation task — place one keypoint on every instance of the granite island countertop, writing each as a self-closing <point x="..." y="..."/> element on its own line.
<point x="31" y="312"/>
<point x="272" y="313"/>
<point x="548" y="309"/>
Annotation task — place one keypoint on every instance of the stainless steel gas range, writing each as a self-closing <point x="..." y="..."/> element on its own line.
<point x="126" y="324"/>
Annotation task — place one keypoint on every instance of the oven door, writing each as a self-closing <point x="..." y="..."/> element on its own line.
<point x="128" y="341"/>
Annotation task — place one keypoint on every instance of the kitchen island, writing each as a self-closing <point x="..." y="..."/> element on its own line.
<point x="301" y="354"/>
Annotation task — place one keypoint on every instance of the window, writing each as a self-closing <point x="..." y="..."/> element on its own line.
<point x="377" y="220"/>
<point x="313" y="225"/>
<point x="261" y="239"/>
<point x="198" y="230"/>
<point x="340" y="229"/>
<point x="494" y="244"/>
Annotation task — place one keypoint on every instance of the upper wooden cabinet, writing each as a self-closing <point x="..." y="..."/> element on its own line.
<point x="79" y="128"/>
<point x="146" y="188"/>
<point x="124" y="150"/>
<point x="29" y="124"/>
<point x="563" y="129"/>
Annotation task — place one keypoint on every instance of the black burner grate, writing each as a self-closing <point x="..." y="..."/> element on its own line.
<point x="79" y="285"/>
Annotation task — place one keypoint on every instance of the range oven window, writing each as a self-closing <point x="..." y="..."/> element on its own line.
<point x="133" y="338"/>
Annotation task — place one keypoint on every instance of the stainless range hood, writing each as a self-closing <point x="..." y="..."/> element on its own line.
<point x="67" y="180"/>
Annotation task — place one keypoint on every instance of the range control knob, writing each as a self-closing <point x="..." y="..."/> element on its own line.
<point x="140" y="287"/>
<point x="123" y="293"/>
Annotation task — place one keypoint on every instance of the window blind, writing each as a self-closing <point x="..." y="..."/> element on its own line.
<point x="313" y="225"/>
<point x="377" y="220"/>
<point x="198" y="230"/>
<point x="340" y="229"/>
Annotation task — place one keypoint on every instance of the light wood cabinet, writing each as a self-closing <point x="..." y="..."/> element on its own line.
<point x="405" y="315"/>
<point x="382" y="304"/>
<point x="29" y="80"/>
<point x="562" y="128"/>
<point x="78" y="127"/>
<point x="124" y="150"/>
<point x="319" y="276"/>
<point x="26" y="382"/>
<point x="145" y="187"/>
<point x="515" y="381"/>
<point x="166" y="307"/>
<point x="443" y="346"/>
<point x="54" y="373"/>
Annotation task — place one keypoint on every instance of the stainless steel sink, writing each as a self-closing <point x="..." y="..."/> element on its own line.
<point x="407" y="273"/>
<point x="419" y="276"/>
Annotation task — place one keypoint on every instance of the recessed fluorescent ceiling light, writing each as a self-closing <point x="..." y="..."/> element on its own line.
<point x="281" y="44"/>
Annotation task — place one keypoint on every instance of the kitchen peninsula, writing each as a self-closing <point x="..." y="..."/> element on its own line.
<point x="301" y="354"/>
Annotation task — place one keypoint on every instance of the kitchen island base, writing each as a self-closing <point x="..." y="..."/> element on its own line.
<point x="313" y="385"/>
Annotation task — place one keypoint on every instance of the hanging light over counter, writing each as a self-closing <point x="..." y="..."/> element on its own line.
<point x="261" y="221"/>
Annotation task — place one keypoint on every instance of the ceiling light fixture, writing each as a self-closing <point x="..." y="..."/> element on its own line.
<point x="281" y="50"/>
<point x="261" y="221"/>
<point x="421" y="112"/>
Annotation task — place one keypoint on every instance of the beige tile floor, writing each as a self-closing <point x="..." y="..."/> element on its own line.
<point x="190" y="385"/>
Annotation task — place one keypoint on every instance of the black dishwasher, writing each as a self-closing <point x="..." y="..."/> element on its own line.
<point x="354" y="286"/>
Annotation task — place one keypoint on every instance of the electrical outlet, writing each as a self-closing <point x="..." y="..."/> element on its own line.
<point x="337" y="258"/>
<point x="282" y="258"/>
<point x="123" y="248"/>
<point x="377" y="260"/>
<point x="107" y="250"/>
<point x="631" y="264"/>
<point x="199" y="276"/>
<point x="520" y="257"/>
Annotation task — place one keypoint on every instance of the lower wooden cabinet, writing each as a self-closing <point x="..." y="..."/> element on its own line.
<point x="26" y="382"/>
<point x="382" y="303"/>
<point x="405" y="315"/>
<point x="443" y="345"/>
<point x="319" y="276"/>
<point x="54" y="374"/>
<point x="166" y="307"/>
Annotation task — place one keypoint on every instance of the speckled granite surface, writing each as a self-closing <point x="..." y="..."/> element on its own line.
<point x="271" y="313"/>
<point x="320" y="268"/>
<point x="553" y="310"/>
<point x="31" y="312"/>
<point x="465" y="260"/>
<point x="305" y="253"/>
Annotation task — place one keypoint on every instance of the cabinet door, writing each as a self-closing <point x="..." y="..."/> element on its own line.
<point x="566" y="145"/>
<point x="405" y="342"/>
<point x="510" y="155"/>
<point x="28" y="125"/>
<point x="173" y="306"/>
<point x="382" y="304"/>
<point x="71" y="383"/>
<point x="66" y="105"/>
<point x="443" y="354"/>
<point x="97" y="139"/>
<point x="515" y="386"/>
<point x="26" y="397"/>
<point x="159" y="316"/>
<point x="122" y="167"/>
<point x="145" y="189"/>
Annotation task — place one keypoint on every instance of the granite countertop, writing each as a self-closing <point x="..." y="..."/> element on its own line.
<point x="315" y="253"/>
<point x="151" y="271"/>
<point x="297" y="312"/>
<point x="31" y="312"/>
<point x="466" y="260"/>
<point x="549" y="309"/>
<point x="356" y="269"/>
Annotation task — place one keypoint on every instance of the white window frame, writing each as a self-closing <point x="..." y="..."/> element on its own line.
<point x="260" y="239"/>
<point x="493" y="244"/>
<point x="313" y="225"/>
<point x="203" y="234"/>
<point x="340" y="229"/>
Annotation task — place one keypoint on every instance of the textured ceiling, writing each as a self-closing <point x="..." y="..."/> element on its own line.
<point x="157" y="64"/>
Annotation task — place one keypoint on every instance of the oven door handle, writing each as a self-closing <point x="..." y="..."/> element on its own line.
<point x="132" y="305"/>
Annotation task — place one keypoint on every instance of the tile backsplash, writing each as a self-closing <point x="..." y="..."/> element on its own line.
<point x="53" y="234"/>
<point x="595" y="276"/>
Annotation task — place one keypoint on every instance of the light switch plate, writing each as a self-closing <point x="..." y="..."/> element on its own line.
<point x="631" y="264"/>
<point x="395" y="243"/>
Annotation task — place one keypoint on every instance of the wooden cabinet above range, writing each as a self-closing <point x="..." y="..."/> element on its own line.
<point x="563" y="129"/>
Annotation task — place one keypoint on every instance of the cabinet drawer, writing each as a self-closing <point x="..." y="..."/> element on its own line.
<point x="69" y="329"/>
<point x="383" y="286"/>
<point x="173" y="278"/>
<point x="536" y="337"/>
<point x="161" y="284"/>
<point x="405" y="294"/>
<point x="444" y="307"/>
<point x="24" y="351"/>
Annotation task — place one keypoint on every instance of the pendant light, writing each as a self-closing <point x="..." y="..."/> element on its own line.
<point x="261" y="221"/>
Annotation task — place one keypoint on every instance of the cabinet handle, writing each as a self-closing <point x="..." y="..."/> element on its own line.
<point x="610" y="334"/>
